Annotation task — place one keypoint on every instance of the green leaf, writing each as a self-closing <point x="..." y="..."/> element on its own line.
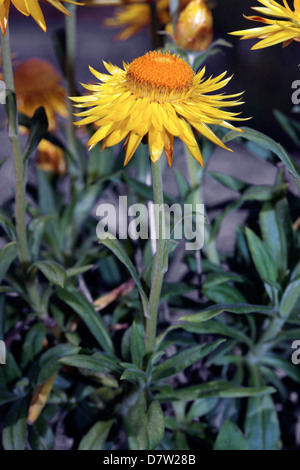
<point x="33" y="343"/>
<point x="72" y="272"/>
<point x="182" y="184"/>
<point x="217" y="328"/>
<point x="98" y="362"/>
<point x="290" y="298"/>
<point x="49" y="361"/>
<point x="40" y="435"/>
<point x="215" y="388"/>
<point x="96" y="437"/>
<point x="7" y="255"/>
<point x="285" y="365"/>
<point x="137" y="346"/>
<point x="264" y="192"/>
<point x="228" y="181"/>
<point x="54" y="272"/>
<point x="90" y="317"/>
<point x="289" y="125"/>
<point x="201" y="407"/>
<point x="265" y="142"/>
<point x="14" y="431"/>
<point x="184" y="359"/>
<point x="115" y="246"/>
<point x="133" y="375"/>
<point x="224" y="293"/>
<point x="230" y="437"/>
<point x="214" y="310"/>
<point x="148" y="425"/>
<point x="36" y="230"/>
<point x="261" y="425"/>
<point x="214" y="279"/>
<point x="7" y="225"/>
<point x="261" y="256"/>
<point x="38" y="129"/>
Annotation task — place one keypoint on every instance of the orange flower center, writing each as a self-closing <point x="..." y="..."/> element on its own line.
<point x="160" y="77"/>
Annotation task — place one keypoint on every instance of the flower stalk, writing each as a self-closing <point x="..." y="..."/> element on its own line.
<point x="19" y="167"/>
<point x="70" y="28"/>
<point x="161" y="256"/>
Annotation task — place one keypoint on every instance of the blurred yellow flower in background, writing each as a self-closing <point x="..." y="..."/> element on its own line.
<point x="195" y="27"/>
<point x="29" y="8"/>
<point x="38" y="83"/>
<point x="135" y="15"/>
<point x="283" y="26"/>
<point x="51" y="158"/>
<point x="157" y="96"/>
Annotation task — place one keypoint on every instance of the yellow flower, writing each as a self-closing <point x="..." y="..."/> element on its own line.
<point x="157" y="96"/>
<point x="27" y="8"/>
<point x="136" y="16"/>
<point x="51" y="158"/>
<point x="195" y="27"/>
<point x="38" y="83"/>
<point x="283" y="26"/>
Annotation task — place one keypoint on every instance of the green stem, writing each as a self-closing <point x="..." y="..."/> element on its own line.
<point x="71" y="26"/>
<point x="161" y="260"/>
<point x="20" y="173"/>
<point x="196" y="176"/>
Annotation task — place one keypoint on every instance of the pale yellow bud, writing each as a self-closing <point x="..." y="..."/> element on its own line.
<point x="195" y="27"/>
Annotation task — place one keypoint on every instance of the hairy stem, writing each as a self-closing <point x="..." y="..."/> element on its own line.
<point x="161" y="260"/>
<point x="19" y="168"/>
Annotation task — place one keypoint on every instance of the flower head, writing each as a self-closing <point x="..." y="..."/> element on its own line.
<point x="51" y="158"/>
<point x="38" y="83"/>
<point x="195" y="26"/>
<point x="136" y="16"/>
<point x="282" y="26"/>
<point x="27" y="8"/>
<point x="157" y="96"/>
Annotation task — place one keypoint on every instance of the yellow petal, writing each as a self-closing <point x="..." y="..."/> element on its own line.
<point x="132" y="142"/>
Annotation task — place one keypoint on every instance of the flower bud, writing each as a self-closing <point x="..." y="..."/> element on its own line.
<point x="195" y="27"/>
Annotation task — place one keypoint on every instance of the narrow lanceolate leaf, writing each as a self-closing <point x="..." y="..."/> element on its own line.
<point x="265" y="142"/>
<point x="137" y="347"/>
<point x="14" y="431"/>
<point x="7" y="255"/>
<point x="184" y="359"/>
<point x="91" y="318"/>
<point x="261" y="256"/>
<point x="39" y="399"/>
<point x="214" y="310"/>
<point x="115" y="246"/>
<point x="262" y="426"/>
<point x="54" y="272"/>
<point x="49" y="361"/>
<point x="230" y="437"/>
<point x="98" y="363"/>
<point x="290" y="299"/>
<point x="215" y="388"/>
<point x="147" y="424"/>
<point x="38" y="129"/>
<point x="96" y="437"/>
